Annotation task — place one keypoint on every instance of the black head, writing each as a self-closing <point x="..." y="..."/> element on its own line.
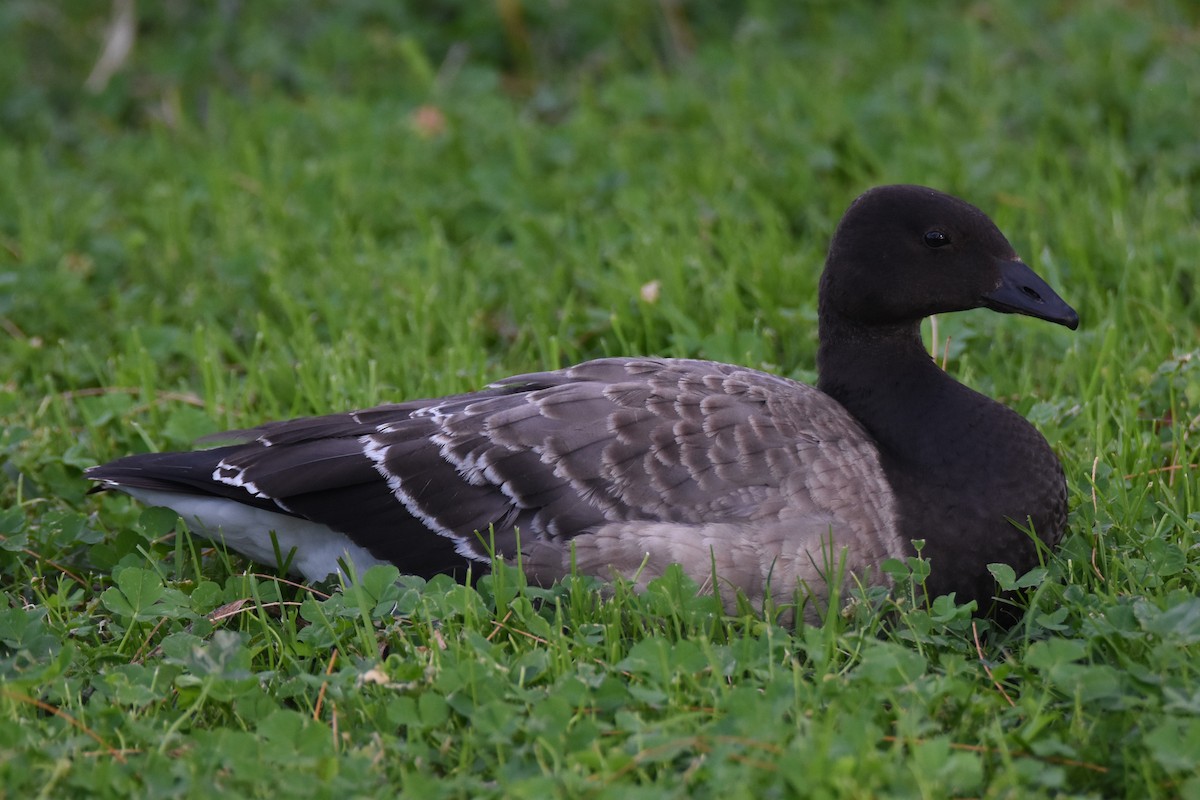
<point x="902" y="253"/>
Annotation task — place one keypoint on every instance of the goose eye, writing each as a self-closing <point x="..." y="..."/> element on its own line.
<point x="936" y="239"/>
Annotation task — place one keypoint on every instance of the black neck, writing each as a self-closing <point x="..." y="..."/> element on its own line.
<point x="883" y="375"/>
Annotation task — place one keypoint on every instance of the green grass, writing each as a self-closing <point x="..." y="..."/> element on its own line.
<point x="247" y="224"/>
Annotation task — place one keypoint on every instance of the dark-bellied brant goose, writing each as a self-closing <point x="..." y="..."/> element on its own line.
<point x="626" y="465"/>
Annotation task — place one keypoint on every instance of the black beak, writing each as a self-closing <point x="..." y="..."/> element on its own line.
<point x="1021" y="291"/>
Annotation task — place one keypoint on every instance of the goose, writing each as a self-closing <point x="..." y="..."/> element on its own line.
<point x="754" y="484"/>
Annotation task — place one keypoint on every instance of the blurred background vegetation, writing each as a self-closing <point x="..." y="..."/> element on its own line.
<point x="181" y="52"/>
<point x="56" y="88"/>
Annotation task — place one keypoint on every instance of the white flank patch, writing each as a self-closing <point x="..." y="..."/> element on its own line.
<point x="314" y="548"/>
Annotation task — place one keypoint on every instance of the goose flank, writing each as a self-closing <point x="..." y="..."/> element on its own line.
<point x="626" y="465"/>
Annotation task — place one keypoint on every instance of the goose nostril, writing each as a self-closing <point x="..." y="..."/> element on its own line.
<point x="1031" y="293"/>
